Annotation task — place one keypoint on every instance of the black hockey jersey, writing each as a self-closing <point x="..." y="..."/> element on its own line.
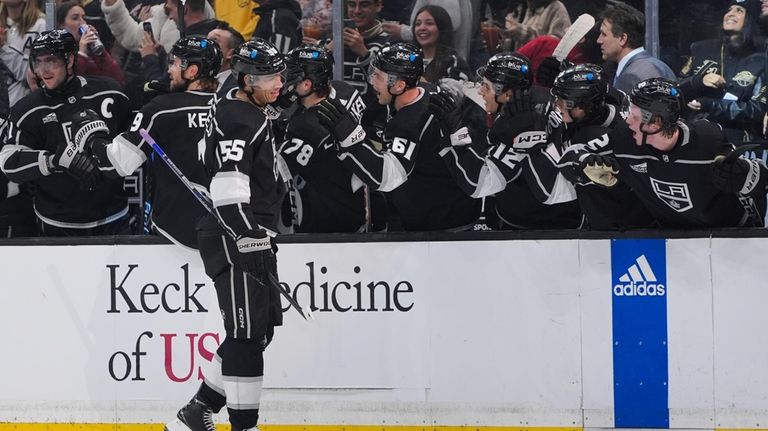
<point x="411" y="169"/>
<point x="177" y="121"/>
<point x="240" y="155"/>
<point x="41" y="124"/>
<point x="676" y="186"/>
<point x="356" y="75"/>
<point x="327" y="196"/>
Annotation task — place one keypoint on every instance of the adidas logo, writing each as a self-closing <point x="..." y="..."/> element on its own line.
<point x="639" y="280"/>
<point x="50" y="118"/>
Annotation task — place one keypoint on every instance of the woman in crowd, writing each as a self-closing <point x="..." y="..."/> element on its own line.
<point x="70" y="16"/>
<point x="533" y="18"/>
<point x="24" y="22"/>
<point x="722" y="81"/>
<point x="433" y="32"/>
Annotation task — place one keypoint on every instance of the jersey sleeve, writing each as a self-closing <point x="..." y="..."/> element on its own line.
<point x="590" y="140"/>
<point x="302" y="139"/>
<point x="22" y="157"/>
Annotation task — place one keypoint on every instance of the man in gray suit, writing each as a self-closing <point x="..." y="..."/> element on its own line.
<point x="622" y="33"/>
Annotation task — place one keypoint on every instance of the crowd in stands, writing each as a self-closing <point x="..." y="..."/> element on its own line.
<point x="463" y="47"/>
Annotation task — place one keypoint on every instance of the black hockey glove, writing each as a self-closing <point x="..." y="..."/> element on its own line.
<point x="256" y="256"/>
<point x="448" y="116"/>
<point x="548" y="70"/>
<point x="735" y="175"/>
<point x="520" y="102"/>
<point x="85" y="170"/>
<point x="601" y="170"/>
<point x="87" y="126"/>
<point x="340" y="123"/>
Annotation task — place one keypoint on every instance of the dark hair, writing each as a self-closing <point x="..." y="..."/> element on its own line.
<point x="63" y="9"/>
<point x="744" y="41"/>
<point x="235" y="38"/>
<point x="193" y="5"/>
<point x="626" y="19"/>
<point x="445" y="50"/>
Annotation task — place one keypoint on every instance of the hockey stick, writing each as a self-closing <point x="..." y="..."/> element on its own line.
<point x="573" y="35"/>
<point x="206" y="202"/>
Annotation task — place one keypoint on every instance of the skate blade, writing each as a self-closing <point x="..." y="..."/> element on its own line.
<point x="177" y="425"/>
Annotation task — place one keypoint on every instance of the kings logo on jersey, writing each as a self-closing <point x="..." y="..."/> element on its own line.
<point x="676" y="195"/>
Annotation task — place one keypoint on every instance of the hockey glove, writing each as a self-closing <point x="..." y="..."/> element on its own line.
<point x="519" y="103"/>
<point x="256" y="256"/>
<point x="448" y="116"/>
<point x="601" y="170"/>
<point x="87" y="126"/>
<point x="340" y="123"/>
<point x="735" y="175"/>
<point x="549" y="68"/>
<point x="85" y="170"/>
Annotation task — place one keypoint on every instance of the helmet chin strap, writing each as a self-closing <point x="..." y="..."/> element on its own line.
<point x="647" y="134"/>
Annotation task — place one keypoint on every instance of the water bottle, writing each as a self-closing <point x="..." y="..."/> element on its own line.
<point x="96" y="47"/>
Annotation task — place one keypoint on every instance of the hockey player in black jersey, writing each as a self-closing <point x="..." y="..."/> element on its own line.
<point x="247" y="192"/>
<point x="70" y="197"/>
<point x="409" y="167"/>
<point x="326" y="195"/>
<point x="668" y="163"/>
<point x="582" y="118"/>
<point x="517" y="128"/>
<point x="177" y="120"/>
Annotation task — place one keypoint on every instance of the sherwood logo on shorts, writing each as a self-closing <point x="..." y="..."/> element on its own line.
<point x="639" y="280"/>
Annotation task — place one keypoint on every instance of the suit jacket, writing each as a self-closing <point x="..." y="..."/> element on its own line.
<point x="641" y="67"/>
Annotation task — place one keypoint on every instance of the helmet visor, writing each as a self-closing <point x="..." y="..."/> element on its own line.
<point x="265" y="82"/>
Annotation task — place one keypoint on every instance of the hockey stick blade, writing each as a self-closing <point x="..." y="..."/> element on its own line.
<point x="206" y="202"/>
<point x="573" y="35"/>
<point x="738" y="152"/>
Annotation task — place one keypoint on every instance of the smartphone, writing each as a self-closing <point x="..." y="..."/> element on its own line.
<point x="148" y="29"/>
<point x="349" y="23"/>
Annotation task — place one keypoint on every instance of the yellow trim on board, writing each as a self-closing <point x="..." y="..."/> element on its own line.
<point x="159" y="427"/>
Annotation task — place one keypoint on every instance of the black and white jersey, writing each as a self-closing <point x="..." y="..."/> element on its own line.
<point x="246" y="187"/>
<point x="177" y="121"/>
<point x="356" y="75"/>
<point x="677" y="187"/>
<point x="554" y="173"/>
<point x="411" y="170"/>
<point x="40" y="124"/>
<point x="326" y="195"/>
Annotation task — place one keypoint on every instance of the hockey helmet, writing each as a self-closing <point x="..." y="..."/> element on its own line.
<point x="400" y="61"/>
<point x="582" y="86"/>
<point x="311" y="62"/>
<point x="658" y="97"/>
<point x="60" y="43"/>
<point x="507" y="70"/>
<point x="257" y="57"/>
<point x="203" y="52"/>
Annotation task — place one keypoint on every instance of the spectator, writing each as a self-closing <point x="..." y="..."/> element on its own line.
<point x="460" y="12"/>
<point x="722" y="79"/>
<point x="130" y="33"/>
<point x="535" y="18"/>
<point x="622" y="33"/>
<point x="24" y="22"/>
<point x="95" y="17"/>
<point x="239" y="15"/>
<point x="193" y="19"/>
<point x="317" y="13"/>
<point x="279" y="23"/>
<point x="228" y="39"/>
<point x="70" y="16"/>
<point x="434" y="34"/>
<point x="542" y="47"/>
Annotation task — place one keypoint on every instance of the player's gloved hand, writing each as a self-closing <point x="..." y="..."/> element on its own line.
<point x="448" y="116"/>
<point x="519" y="103"/>
<point x="85" y="170"/>
<point x="86" y="127"/>
<point x="549" y="68"/>
<point x="735" y="175"/>
<point x="601" y="170"/>
<point x="256" y="256"/>
<point x="340" y="123"/>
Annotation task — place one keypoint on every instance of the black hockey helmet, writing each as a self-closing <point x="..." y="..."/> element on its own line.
<point x="507" y="70"/>
<point x="658" y="97"/>
<point x="60" y="43"/>
<point x="400" y="61"/>
<point x="583" y="85"/>
<point x="257" y="57"/>
<point x="311" y="62"/>
<point x="203" y="52"/>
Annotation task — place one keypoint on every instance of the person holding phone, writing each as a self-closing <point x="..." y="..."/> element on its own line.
<point x="70" y="16"/>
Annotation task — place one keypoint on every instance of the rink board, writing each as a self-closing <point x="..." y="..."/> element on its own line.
<point x="430" y="335"/>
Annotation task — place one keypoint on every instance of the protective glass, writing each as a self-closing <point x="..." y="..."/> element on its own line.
<point x="265" y="82"/>
<point x="182" y="63"/>
<point x="562" y="103"/>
